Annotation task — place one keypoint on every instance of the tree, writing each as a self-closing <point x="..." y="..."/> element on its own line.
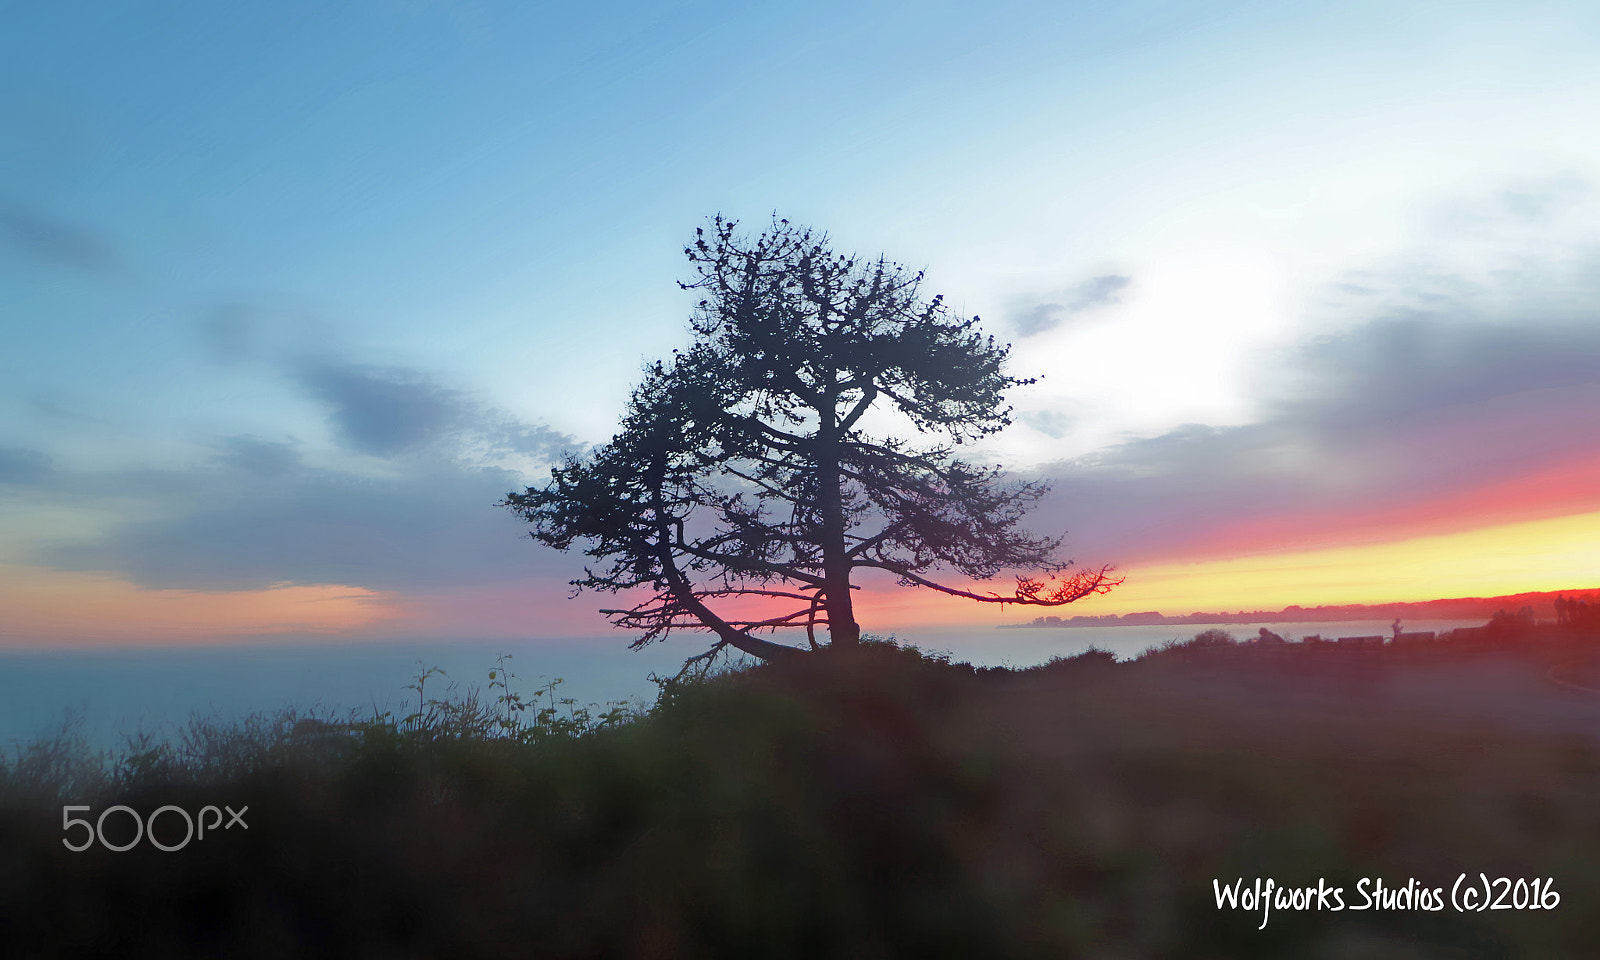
<point x="743" y="492"/>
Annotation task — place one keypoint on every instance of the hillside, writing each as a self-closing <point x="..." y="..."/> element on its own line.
<point x="880" y="805"/>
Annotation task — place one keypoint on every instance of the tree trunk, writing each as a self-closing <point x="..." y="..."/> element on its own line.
<point x="843" y="631"/>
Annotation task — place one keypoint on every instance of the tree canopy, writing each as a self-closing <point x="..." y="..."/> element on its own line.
<point x="743" y="491"/>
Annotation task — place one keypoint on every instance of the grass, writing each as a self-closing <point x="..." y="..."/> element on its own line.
<point x="881" y="804"/>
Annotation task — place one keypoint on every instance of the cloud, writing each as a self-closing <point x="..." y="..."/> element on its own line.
<point x="257" y="457"/>
<point x="20" y="466"/>
<point x="384" y="413"/>
<point x="1043" y="316"/>
<point x="1383" y="428"/>
<point x="1094" y="292"/>
<point x="232" y="525"/>
<point x="1536" y="202"/>
<point x="1051" y="423"/>
<point x="42" y="237"/>
<point x="260" y="512"/>
<point x="1097" y="291"/>
<point x="1409" y="367"/>
<point x="390" y="412"/>
<point x="1457" y="388"/>
<point x="1394" y="428"/>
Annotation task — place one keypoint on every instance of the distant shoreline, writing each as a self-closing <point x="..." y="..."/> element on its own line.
<point x="1462" y="608"/>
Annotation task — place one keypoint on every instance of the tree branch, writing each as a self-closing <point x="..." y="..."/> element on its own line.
<point x="1029" y="591"/>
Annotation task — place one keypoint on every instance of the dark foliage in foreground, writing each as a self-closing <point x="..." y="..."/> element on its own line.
<point x="875" y="804"/>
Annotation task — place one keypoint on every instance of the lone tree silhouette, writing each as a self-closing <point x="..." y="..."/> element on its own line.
<point x="743" y="493"/>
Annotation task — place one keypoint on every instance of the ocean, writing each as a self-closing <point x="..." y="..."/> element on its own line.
<point x="111" y="694"/>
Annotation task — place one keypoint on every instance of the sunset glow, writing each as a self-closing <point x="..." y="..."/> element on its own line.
<point x="1544" y="555"/>
<point x="60" y="609"/>
<point x="1310" y="298"/>
<point x="1563" y="493"/>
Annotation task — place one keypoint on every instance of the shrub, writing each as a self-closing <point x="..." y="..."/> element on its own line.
<point x="1212" y="638"/>
<point x="1092" y="658"/>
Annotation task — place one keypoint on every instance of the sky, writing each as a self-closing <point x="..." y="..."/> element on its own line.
<point x="293" y="294"/>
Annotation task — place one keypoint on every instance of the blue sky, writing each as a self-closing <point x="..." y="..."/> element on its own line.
<point x="275" y="277"/>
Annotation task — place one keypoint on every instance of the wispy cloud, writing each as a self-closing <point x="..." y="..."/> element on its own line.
<point x="37" y="235"/>
<point x="383" y="413"/>
<point x="256" y="457"/>
<point x="1098" y="291"/>
<point x="260" y="512"/>
<point x="390" y="412"/>
<point x="1051" y="423"/>
<point x="256" y="516"/>
<point x="22" y="466"/>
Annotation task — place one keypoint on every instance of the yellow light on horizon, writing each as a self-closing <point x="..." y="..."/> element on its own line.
<point x="1542" y="555"/>
<point x="1534" y="556"/>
